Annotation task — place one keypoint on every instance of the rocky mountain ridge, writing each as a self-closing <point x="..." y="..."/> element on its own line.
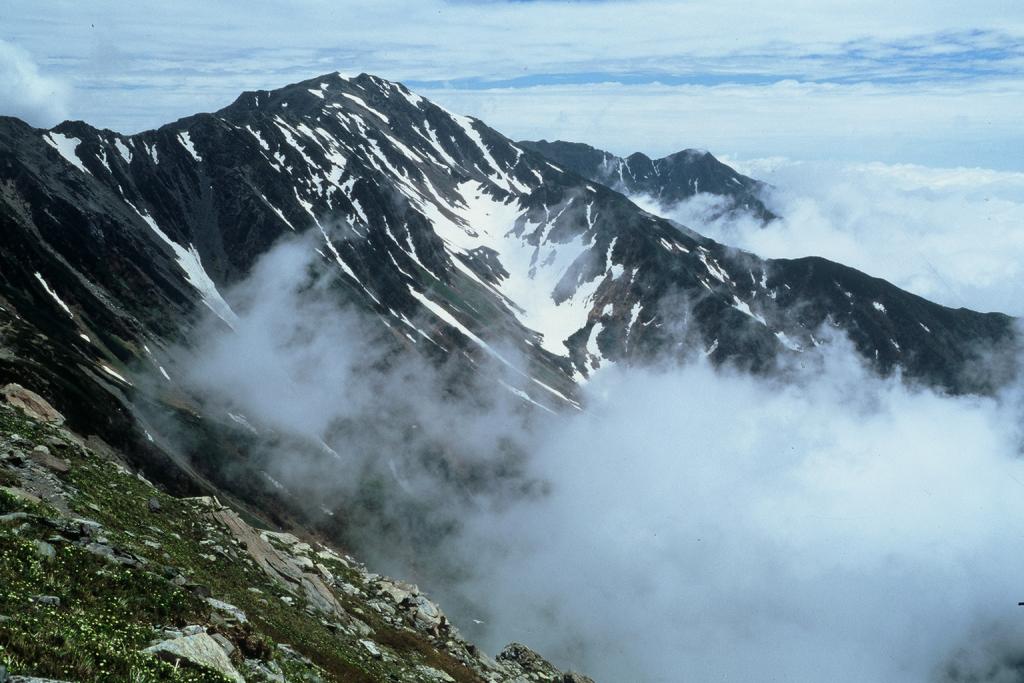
<point x="454" y="237"/>
<point x="667" y="180"/>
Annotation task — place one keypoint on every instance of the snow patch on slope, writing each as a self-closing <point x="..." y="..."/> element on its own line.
<point x="66" y="146"/>
<point x="195" y="274"/>
<point x="534" y="271"/>
<point x="186" y="141"/>
<point x="52" y="293"/>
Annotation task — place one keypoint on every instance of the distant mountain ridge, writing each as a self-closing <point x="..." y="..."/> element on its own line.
<point x="668" y="180"/>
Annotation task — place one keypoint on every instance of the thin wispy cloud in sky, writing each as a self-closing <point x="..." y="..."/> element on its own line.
<point x="939" y="124"/>
<point x="538" y="62"/>
<point x="25" y="91"/>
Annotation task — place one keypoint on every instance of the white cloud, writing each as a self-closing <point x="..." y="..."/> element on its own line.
<point x="952" y="235"/>
<point x="707" y="526"/>
<point x="935" y="124"/>
<point x="25" y="92"/>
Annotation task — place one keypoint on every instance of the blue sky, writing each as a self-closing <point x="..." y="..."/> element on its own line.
<point x="932" y="82"/>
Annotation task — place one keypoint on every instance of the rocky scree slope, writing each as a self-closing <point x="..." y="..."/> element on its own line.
<point x="103" y="577"/>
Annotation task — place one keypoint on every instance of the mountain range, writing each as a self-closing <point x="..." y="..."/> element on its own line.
<point x="523" y="264"/>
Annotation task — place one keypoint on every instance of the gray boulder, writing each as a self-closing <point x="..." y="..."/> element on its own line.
<point x="32" y="404"/>
<point x="42" y="456"/>
<point x="199" y="649"/>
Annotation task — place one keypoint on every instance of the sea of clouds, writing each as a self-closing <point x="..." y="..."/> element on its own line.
<point x="692" y="522"/>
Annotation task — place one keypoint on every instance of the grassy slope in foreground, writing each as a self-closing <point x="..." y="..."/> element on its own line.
<point x="97" y="566"/>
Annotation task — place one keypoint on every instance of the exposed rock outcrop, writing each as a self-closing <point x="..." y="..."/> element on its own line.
<point x="198" y="649"/>
<point x="32" y="403"/>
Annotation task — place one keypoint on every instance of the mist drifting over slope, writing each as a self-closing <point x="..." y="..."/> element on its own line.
<point x="351" y="423"/>
<point x="692" y="523"/>
<point x="709" y="525"/>
<point x="951" y="235"/>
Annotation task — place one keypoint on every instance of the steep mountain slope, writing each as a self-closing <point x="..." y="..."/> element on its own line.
<point x="667" y="180"/>
<point x="105" y="578"/>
